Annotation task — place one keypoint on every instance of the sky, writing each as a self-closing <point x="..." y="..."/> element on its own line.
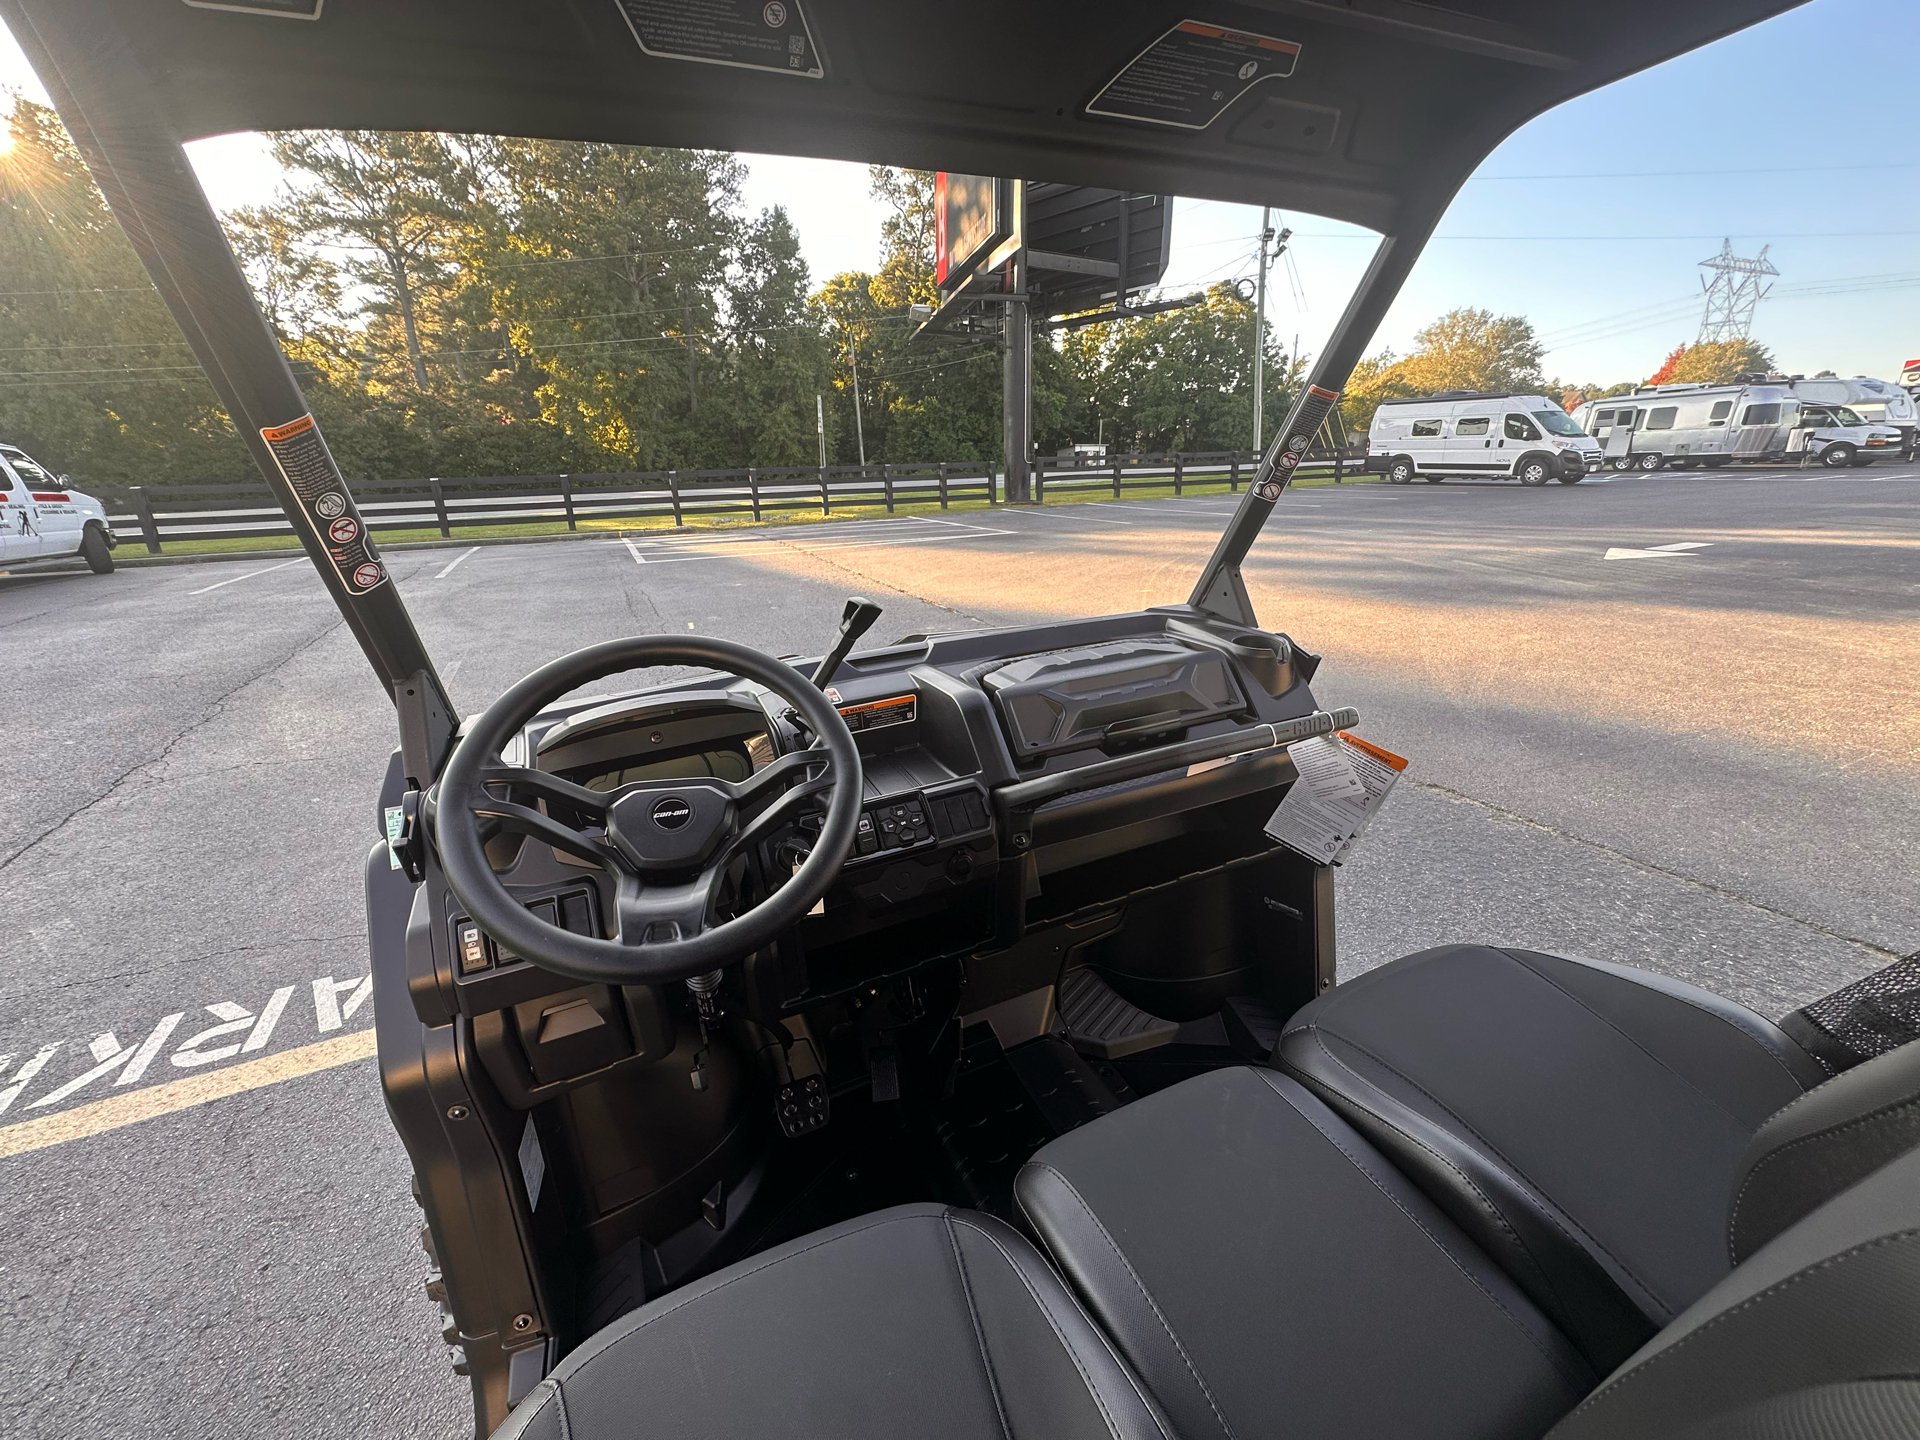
<point x="1590" y="221"/>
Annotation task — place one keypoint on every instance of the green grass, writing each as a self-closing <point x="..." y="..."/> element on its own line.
<point x="132" y="546"/>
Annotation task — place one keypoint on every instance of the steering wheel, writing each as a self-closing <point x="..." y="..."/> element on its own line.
<point x="666" y="843"/>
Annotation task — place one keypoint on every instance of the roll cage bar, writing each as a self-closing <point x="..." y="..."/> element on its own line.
<point x="134" y="79"/>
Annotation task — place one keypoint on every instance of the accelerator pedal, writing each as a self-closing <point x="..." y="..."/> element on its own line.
<point x="1101" y="1024"/>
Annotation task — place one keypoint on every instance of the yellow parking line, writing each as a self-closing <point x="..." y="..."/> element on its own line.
<point x="155" y="1100"/>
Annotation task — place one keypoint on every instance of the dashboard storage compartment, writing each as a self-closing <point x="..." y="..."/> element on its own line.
<point x="1122" y="690"/>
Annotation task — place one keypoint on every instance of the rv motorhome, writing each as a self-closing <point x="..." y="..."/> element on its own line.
<point x="1490" y="433"/>
<point x="1682" y="426"/>
<point x="1878" y="402"/>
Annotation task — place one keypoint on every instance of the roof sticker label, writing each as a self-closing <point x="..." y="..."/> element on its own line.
<point x="1191" y="74"/>
<point x="746" y="34"/>
<point x="325" y="505"/>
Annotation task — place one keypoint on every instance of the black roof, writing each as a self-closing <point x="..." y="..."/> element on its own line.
<point x="1391" y="102"/>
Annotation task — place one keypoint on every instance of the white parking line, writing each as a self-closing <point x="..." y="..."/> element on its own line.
<point x="248" y="576"/>
<point x="454" y="564"/>
<point x="854" y="535"/>
<point x="1027" y="512"/>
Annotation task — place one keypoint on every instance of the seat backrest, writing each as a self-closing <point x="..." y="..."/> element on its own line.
<point x="1815" y="1334"/>
<point x="1836" y="1134"/>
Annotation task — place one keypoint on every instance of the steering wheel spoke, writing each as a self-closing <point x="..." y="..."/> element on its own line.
<point x="517" y="819"/>
<point x="769" y="779"/>
<point x="657" y="914"/>
<point x="551" y="788"/>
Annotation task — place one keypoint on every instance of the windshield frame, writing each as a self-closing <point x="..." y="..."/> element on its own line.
<point x="1556" y="422"/>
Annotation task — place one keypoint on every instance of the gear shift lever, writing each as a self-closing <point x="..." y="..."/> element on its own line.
<point x="855" y="621"/>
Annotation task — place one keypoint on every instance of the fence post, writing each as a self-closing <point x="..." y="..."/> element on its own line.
<point x="1233" y="479"/>
<point x="1339" y="474"/>
<point x="673" y="489"/>
<point x="826" y="505"/>
<point x="753" y="489"/>
<point x="886" y="477"/>
<point x="1039" y="481"/>
<point x="440" y="507"/>
<point x="1179" y="472"/>
<point x="1116" y="477"/>
<point x="943" y="484"/>
<point x="566" y="499"/>
<point x="993" y="485"/>
<point x="143" y="507"/>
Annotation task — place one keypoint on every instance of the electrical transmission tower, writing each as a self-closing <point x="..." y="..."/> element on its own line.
<point x="1733" y="292"/>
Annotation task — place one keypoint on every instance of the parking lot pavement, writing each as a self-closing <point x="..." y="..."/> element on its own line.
<point x="1702" y="759"/>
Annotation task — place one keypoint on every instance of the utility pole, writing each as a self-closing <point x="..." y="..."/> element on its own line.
<point x="686" y="328"/>
<point x="820" y="425"/>
<point x="859" y="427"/>
<point x="1015" y="399"/>
<point x="1260" y="334"/>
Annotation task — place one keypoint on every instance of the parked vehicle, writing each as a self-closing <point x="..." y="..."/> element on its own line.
<point x="1878" y="402"/>
<point x="1470" y="432"/>
<point x="1682" y="426"/>
<point x="43" y="518"/>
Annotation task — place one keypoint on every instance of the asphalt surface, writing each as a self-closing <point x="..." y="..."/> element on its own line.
<point x="1704" y="762"/>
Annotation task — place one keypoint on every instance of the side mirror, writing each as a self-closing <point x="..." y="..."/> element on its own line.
<point x="66" y="482"/>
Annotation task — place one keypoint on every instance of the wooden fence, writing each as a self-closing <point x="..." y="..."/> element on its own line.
<point x="447" y="506"/>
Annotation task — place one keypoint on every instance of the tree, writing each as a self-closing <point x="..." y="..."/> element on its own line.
<point x="98" y="379"/>
<point x="1714" y="362"/>
<point x="1178" y="380"/>
<point x="396" y="202"/>
<point x="1473" y="350"/>
<point x="1464" y="349"/>
<point x="1665" y="373"/>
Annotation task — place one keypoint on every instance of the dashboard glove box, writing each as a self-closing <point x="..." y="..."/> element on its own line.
<point x="1069" y="699"/>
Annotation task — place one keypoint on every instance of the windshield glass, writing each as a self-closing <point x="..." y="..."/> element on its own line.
<point x="1843" y="416"/>
<point x="1557" y="422"/>
<point x="32" y="474"/>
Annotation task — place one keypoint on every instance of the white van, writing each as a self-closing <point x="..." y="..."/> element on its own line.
<point x="1470" y="432"/>
<point x="42" y="518"/>
<point x="1681" y="426"/>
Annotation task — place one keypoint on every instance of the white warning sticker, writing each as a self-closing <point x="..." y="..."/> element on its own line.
<point x="1343" y="782"/>
<point x="1192" y="73"/>
<point x="746" y="34"/>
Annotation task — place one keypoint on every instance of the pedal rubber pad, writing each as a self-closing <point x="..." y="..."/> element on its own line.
<point x="802" y="1106"/>
<point x="1102" y="1024"/>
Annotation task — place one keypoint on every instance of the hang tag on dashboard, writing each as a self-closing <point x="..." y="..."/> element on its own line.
<point x="1343" y="782"/>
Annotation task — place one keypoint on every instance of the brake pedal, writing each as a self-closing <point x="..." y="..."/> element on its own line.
<point x="1102" y="1024"/>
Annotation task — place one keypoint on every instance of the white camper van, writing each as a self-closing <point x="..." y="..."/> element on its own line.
<point x="1467" y="432"/>
<point x="1878" y="402"/>
<point x="1712" y="425"/>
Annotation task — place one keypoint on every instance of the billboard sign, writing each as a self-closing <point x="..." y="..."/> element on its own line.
<point x="970" y="216"/>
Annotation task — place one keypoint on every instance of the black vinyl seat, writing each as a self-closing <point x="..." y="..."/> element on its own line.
<point x="1586" y="1123"/>
<point x="1266" y="1272"/>
<point x="918" y="1321"/>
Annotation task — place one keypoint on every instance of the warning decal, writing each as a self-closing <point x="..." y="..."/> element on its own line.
<point x="322" y="496"/>
<point x="1309" y="415"/>
<point x="1192" y="73"/>
<point x="748" y="34"/>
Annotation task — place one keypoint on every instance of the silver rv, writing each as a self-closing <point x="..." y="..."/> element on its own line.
<point x="1681" y="426"/>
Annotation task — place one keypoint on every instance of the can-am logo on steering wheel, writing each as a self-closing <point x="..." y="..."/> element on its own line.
<point x="672" y="812"/>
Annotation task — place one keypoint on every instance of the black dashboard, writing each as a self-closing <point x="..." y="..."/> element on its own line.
<point x="1019" y="786"/>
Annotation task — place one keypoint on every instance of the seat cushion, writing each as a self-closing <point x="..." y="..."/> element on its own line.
<point x="1583" y="1121"/>
<point x="1267" y="1273"/>
<point x="919" y="1321"/>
